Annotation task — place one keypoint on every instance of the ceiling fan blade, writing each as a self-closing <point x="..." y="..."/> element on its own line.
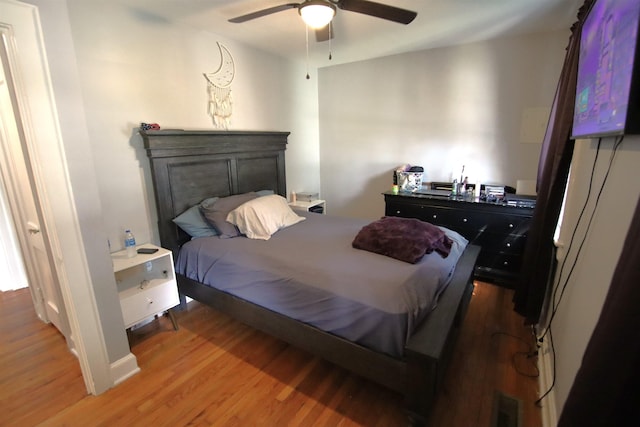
<point x="263" y="12"/>
<point x="323" y="34"/>
<point x="391" y="13"/>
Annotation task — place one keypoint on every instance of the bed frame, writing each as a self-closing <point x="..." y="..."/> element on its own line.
<point x="189" y="166"/>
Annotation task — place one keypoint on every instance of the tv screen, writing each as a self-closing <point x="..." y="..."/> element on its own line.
<point x="607" y="85"/>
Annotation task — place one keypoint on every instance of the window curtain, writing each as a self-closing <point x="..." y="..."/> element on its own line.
<point x="538" y="264"/>
<point x="605" y="391"/>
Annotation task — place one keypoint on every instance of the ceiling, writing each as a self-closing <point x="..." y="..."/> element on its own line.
<point x="358" y="37"/>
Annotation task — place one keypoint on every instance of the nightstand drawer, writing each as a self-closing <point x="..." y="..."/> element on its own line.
<point x="141" y="302"/>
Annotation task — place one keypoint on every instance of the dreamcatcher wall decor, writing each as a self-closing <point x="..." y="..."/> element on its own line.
<point x="220" y="106"/>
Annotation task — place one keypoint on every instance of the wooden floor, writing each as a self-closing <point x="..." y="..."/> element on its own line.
<point x="215" y="371"/>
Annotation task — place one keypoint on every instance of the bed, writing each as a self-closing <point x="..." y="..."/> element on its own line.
<point x="191" y="166"/>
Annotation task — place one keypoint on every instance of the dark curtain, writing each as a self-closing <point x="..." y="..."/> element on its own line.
<point x="606" y="390"/>
<point x="538" y="264"/>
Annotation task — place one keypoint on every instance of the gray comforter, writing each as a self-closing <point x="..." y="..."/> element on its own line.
<point x="311" y="272"/>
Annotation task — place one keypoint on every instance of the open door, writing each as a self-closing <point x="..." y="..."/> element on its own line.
<point x="24" y="199"/>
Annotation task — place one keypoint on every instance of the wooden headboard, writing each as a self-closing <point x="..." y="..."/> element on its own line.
<point x="190" y="166"/>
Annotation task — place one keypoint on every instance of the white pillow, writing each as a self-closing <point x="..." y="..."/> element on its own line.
<point x="261" y="217"/>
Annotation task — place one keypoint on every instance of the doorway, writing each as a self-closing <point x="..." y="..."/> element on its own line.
<point x="20" y="185"/>
<point x="12" y="273"/>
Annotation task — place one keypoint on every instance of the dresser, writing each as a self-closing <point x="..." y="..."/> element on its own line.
<point x="499" y="229"/>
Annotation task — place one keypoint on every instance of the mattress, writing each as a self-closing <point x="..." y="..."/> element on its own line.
<point x="310" y="272"/>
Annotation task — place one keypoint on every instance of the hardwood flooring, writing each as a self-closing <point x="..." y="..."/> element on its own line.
<point x="215" y="371"/>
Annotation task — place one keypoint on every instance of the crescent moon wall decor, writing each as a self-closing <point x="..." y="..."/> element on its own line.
<point x="219" y="89"/>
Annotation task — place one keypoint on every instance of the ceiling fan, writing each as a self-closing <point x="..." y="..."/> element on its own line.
<point x="319" y="13"/>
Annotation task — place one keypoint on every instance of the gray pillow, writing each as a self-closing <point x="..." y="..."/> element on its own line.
<point x="216" y="214"/>
<point x="207" y="203"/>
<point x="194" y="224"/>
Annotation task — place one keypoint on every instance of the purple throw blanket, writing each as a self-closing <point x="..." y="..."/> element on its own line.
<point x="406" y="239"/>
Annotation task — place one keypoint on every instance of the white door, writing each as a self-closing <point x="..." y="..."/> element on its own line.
<point x="21" y="189"/>
<point x="49" y="287"/>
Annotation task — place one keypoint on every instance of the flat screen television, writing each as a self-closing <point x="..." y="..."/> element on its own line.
<point x="608" y="83"/>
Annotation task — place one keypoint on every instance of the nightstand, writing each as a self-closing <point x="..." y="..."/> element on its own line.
<point x="146" y="284"/>
<point x="318" y="206"/>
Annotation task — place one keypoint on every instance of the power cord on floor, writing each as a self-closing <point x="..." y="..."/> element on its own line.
<point x="530" y="354"/>
<point x="553" y="379"/>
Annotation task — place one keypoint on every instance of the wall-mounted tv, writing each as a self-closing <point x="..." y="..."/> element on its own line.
<point x="608" y="84"/>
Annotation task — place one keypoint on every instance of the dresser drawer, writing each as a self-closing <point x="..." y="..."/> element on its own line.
<point x="141" y="302"/>
<point x="433" y="214"/>
<point x="456" y="218"/>
<point x="492" y="242"/>
<point x="508" y="224"/>
<point x="500" y="261"/>
<point x="443" y="216"/>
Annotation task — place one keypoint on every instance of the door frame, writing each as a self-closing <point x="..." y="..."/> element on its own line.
<point x="30" y="74"/>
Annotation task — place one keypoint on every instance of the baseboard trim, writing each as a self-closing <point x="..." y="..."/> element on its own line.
<point x="124" y="368"/>
<point x="545" y="382"/>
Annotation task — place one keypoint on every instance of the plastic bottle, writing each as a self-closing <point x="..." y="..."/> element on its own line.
<point x="130" y="243"/>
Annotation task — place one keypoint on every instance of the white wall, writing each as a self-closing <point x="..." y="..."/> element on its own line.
<point x="135" y="67"/>
<point x="586" y="289"/>
<point x="440" y="109"/>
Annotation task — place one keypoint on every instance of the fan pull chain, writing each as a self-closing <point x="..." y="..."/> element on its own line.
<point x="306" y="32"/>
<point x="330" y="41"/>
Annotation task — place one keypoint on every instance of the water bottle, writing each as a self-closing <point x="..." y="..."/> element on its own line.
<point x="130" y="243"/>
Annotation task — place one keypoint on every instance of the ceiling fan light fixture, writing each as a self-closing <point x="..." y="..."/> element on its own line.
<point x="317" y="13"/>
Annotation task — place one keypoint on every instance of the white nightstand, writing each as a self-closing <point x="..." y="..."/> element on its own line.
<point x="146" y="284"/>
<point x="303" y="205"/>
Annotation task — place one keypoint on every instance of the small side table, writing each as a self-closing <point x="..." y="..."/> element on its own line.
<point x="309" y="206"/>
<point x="146" y="285"/>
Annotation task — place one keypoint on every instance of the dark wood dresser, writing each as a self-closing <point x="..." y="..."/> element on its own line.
<point x="500" y="229"/>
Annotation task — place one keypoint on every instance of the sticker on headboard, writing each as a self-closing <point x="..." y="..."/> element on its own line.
<point x="219" y="89"/>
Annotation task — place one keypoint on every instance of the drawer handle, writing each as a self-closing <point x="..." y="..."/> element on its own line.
<point x="505" y="263"/>
<point x="508" y="245"/>
<point x="435" y="216"/>
<point x="464" y="220"/>
<point x="397" y="212"/>
<point x="510" y="225"/>
<point x="149" y="301"/>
